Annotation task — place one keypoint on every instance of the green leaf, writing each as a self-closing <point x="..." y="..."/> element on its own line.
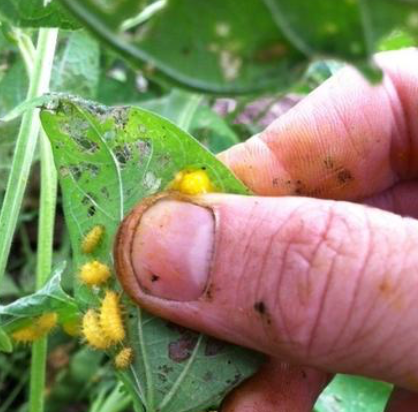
<point x="77" y="66"/>
<point x="5" y="342"/>
<point x="212" y="130"/>
<point x="206" y="125"/>
<point x="354" y="394"/>
<point x="33" y="13"/>
<point x="250" y="45"/>
<point x="231" y="47"/>
<point x="51" y="298"/>
<point x="350" y="30"/>
<point x="13" y="87"/>
<point x="108" y="160"/>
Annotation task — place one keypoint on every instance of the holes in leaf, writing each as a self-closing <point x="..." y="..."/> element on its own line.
<point x="123" y="154"/>
<point x="63" y="171"/>
<point x="151" y="182"/>
<point x="105" y="192"/>
<point x="144" y="148"/>
<point x="92" y="169"/>
<point x="91" y="211"/>
<point x="88" y="202"/>
<point x="75" y="171"/>
<point x="120" y="114"/>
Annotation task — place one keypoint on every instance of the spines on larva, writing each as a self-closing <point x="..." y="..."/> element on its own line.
<point x="94" y="273"/>
<point x="46" y="322"/>
<point x="27" y="334"/>
<point x="92" y="239"/>
<point x="111" y="320"/>
<point x="93" y="332"/>
<point x="124" y="358"/>
<point x="192" y="182"/>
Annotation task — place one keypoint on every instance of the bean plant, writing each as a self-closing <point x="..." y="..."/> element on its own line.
<point x="102" y="104"/>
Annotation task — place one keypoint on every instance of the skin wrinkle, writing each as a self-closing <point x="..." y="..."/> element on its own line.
<point x="248" y="246"/>
<point x="386" y="340"/>
<point x="267" y="327"/>
<point x="360" y="275"/>
<point x="407" y="134"/>
<point x="401" y="126"/>
<point x="357" y="338"/>
<point x="262" y="142"/>
<point x="280" y="278"/>
<point x="325" y="288"/>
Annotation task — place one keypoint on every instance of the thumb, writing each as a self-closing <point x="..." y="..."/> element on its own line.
<point x="326" y="284"/>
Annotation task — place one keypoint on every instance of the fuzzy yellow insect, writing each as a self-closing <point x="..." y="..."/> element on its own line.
<point x="92" y="239"/>
<point x="192" y="182"/>
<point x="46" y="322"/>
<point x="111" y="320"/>
<point x="93" y="332"/>
<point x="94" y="273"/>
<point x="26" y="335"/>
<point x="124" y="358"/>
<point x="39" y="328"/>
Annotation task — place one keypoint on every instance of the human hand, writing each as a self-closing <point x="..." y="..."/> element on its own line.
<point x="328" y="284"/>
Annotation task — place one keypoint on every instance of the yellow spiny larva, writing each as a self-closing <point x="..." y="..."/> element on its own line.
<point x="39" y="328"/>
<point x="192" y="182"/>
<point x="92" y="239"/>
<point x="94" y="273"/>
<point x="27" y="334"/>
<point x="111" y="320"/>
<point x="124" y="358"/>
<point x="93" y="332"/>
<point x="46" y="322"/>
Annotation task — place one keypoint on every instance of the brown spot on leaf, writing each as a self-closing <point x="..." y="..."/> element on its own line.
<point x="271" y="52"/>
<point x="213" y="347"/>
<point x="208" y="376"/>
<point x="181" y="349"/>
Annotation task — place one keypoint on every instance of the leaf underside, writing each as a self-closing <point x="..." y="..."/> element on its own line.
<point x="108" y="159"/>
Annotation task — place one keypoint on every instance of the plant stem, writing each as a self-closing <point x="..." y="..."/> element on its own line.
<point x="26" y="48"/>
<point x="25" y="144"/>
<point x="43" y="266"/>
<point x="145" y="15"/>
<point x="44" y="253"/>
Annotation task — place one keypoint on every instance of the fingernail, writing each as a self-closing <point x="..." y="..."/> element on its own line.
<point x="172" y="250"/>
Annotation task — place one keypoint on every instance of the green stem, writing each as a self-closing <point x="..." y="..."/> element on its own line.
<point x="145" y="15"/>
<point x="26" y="49"/>
<point x="44" y="260"/>
<point x="25" y="144"/>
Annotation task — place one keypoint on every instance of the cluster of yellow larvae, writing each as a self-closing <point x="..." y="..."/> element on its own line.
<point x="102" y="329"/>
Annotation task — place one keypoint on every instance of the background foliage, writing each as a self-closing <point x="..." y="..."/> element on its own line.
<point x="221" y="70"/>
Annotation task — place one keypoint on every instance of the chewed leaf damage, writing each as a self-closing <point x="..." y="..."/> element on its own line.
<point x="109" y="159"/>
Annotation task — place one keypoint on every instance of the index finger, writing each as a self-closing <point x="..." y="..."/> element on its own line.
<point x="348" y="139"/>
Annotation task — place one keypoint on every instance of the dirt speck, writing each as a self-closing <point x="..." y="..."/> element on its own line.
<point x="329" y="162"/>
<point x="155" y="278"/>
<point x="344" y="176"/>
<point x="260" y="307"/>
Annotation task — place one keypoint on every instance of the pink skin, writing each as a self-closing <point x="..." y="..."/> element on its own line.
<point x="328" y="284"/>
